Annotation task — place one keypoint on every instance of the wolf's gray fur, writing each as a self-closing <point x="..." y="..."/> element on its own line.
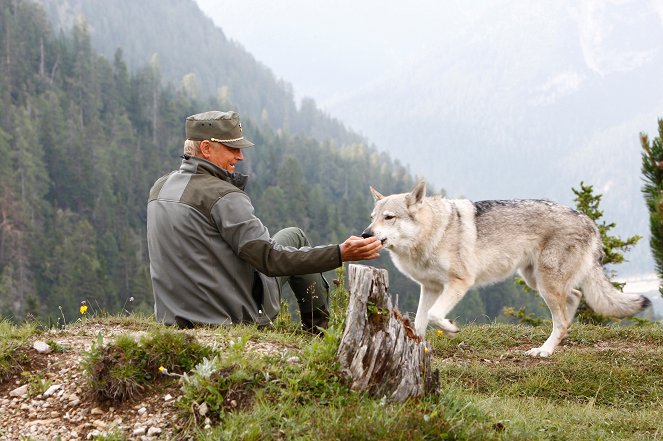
<point x="449" y="246"/>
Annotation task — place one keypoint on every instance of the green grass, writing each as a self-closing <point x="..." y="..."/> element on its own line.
<point x="309" y="399"/>
<point x="604" y="383"/>
<point x="134" y="321"/>
<point x="15" y="347"/>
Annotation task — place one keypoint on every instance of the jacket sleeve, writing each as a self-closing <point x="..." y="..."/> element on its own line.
<point x="250" y="240"/>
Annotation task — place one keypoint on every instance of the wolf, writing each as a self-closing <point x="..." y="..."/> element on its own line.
<point x="448" y="246"/>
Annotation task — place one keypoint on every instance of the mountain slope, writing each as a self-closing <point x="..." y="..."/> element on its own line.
<point x="83" y="139"/>
<point x="192" y="52"/>
<point x="527" y="101"/>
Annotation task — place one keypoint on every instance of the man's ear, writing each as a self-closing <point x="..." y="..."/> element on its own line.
<point x="205" y="147"/>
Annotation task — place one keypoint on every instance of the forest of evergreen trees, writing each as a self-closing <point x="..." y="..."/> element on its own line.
<point x="82" y="139"/>
<point x="198" y="57"/>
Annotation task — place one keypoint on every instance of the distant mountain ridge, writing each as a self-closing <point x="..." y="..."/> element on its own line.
<point x="190" y="50"/>
<point x="528" y="101"/>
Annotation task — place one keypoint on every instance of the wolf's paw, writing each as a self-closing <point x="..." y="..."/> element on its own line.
<point x="451" y="334"/>
<point x="538" y="352"/>
<point x="420" y="328"/>
<point x="446" y="325"/>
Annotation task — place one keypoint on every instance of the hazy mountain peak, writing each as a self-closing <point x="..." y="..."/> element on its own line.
<point x="611" y="34"/>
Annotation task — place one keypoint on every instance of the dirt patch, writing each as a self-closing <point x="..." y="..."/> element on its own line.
<point x="69" y="411"/>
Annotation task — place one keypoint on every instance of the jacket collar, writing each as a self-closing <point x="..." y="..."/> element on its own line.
<point x="196" y="165"/>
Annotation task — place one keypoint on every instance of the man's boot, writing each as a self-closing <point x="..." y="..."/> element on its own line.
<point x="314" y="322"/>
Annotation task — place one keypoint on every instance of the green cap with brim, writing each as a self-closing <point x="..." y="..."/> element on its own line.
<point x="223" y="127"/>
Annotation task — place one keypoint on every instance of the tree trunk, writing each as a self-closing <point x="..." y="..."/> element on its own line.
<point x="379" y="350"/>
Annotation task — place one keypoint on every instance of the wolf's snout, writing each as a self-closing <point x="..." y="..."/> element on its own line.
<point x="366" y="234"/>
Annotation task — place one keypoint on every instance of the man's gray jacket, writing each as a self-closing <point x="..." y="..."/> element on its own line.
<point x="211" y="259"/>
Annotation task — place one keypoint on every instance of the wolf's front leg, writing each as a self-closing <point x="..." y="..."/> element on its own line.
<point x="426" y="299"/>
<point x="452" y="294"/>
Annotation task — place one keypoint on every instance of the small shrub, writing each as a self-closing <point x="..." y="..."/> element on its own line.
<point x="13" y="359"/>
<point x="14" y="348"/>
<point x="218" y="385"/>
<point x="122" y="370"/>
<point x="37" y="384"/>
<point x="522" y="316"/>
<point x="176" y="351"/>
<point x="284" y="321"/>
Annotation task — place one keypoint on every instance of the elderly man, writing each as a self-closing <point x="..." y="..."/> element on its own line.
<point x="212" y="261"/>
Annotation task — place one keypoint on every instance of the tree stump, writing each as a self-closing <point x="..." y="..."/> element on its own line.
<point x="380" y="351"/>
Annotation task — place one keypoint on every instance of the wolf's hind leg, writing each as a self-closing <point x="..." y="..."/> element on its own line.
<point x="557" y="303"/>
<point x="527" y="274"/>
<point x="452" y="294"/>
<point x="426" y="299"/>
<point x="572" y="302"/>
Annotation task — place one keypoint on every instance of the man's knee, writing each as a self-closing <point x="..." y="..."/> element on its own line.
<point x="291" y="236"/>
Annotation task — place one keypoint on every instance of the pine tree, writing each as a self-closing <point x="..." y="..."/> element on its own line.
<point x="613" y="246"/>
<point x="74" y="268"/>
<point x="652" y="171"/>
<point x="291" y="180"/>
<point x="271" y="208"/>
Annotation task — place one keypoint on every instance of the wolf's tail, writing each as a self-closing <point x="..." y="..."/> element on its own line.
<point x="604" y="299"/>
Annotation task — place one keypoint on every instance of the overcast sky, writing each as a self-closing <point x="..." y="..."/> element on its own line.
<point x="327" y="48"/>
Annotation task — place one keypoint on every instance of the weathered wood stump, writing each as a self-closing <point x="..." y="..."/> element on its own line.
<point x="379" y="350"/>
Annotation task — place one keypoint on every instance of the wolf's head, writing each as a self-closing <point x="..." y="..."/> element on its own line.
<point x="394" y="218"/>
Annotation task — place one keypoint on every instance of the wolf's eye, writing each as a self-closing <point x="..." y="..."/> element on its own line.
<point x="389" y="216"/>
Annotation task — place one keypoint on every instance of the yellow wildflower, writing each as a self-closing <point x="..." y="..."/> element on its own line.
<point x="439" y="333"/>
<point x="426" y="350"/>
<point x="83" y="309"/>
<point x="162" y="369"/>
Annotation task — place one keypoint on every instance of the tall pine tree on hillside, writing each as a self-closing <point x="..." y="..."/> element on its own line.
<point x="652" y="171"/>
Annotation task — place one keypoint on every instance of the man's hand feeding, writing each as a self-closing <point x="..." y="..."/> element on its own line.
<point x="355" y="248"/>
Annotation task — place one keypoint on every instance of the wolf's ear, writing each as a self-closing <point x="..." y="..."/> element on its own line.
<point x="376" y="195"/>
<point x="417" y="194"/>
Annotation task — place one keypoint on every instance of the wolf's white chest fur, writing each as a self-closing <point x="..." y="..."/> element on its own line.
<point x="445" y="242"/>
<point x="425" y="269"/>
<point x="429" y="267"/>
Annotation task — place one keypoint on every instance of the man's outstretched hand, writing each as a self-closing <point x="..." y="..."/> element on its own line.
<point x="355" y="248"/>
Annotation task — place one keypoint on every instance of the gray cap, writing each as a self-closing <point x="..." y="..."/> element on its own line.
<point x="223" y="127"/>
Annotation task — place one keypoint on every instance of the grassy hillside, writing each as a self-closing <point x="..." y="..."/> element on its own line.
<point x="123" y="377"/>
